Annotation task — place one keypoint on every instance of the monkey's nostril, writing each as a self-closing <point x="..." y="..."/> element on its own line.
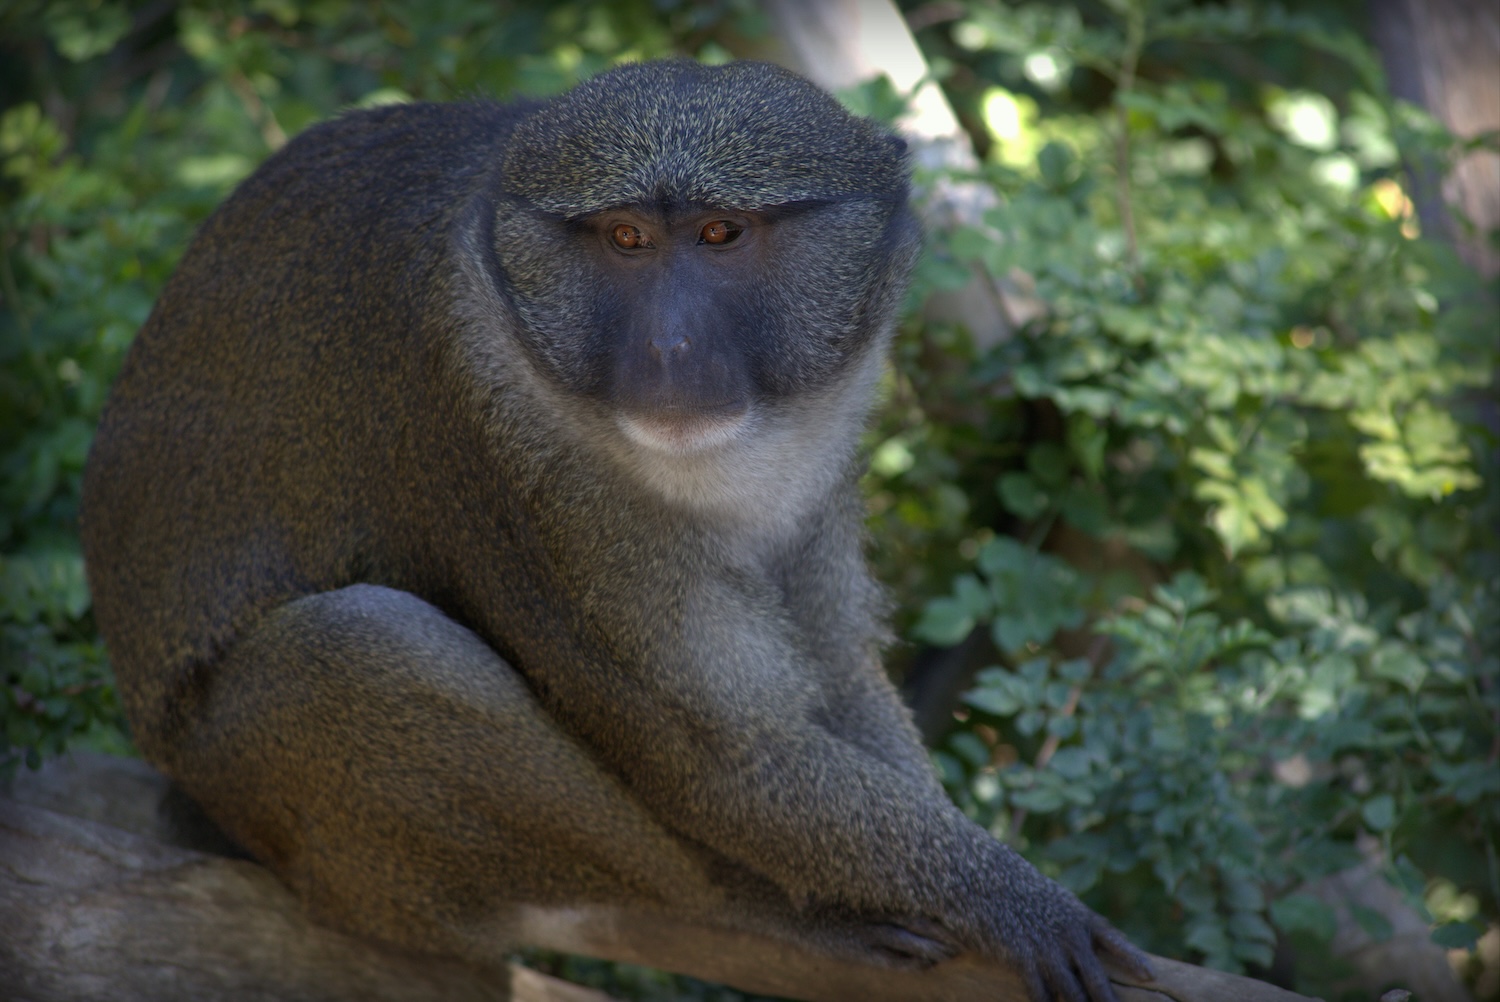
<point x="664" y="345"/>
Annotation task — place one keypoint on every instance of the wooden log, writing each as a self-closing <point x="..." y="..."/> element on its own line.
<point x="110" y="890"/>
<point x="91" y="910"/>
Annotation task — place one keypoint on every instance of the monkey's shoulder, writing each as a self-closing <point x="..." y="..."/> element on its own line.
<point x="420" y="132"/>
<point x="397" y="166"/>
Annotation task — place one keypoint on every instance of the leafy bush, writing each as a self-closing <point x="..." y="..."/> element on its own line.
<point x="1222" y="508"/>
<point x="1243" y="611"/>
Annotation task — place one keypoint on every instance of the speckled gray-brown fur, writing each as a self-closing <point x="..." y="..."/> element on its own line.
<point x="391" y="592"/>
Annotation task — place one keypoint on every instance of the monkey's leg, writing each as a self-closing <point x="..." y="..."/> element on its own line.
<point x="400" y="776"/>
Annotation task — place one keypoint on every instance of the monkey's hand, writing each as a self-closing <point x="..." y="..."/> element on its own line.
<point x="913" y="943"/>
<point x="1053" y="940"/>
<point x="1027" y="922"/>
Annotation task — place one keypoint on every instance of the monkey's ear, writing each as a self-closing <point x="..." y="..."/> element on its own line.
<point x="896" y="144"/>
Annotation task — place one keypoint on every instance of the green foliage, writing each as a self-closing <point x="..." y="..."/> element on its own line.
<point x="1244" y="611"/>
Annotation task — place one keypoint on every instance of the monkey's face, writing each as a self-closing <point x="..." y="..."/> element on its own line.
<point x="685" y="322"/>
<point x="697" y="252"/>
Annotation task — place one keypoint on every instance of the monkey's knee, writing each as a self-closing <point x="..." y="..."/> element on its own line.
<point x="382" y="641"/>
<point x="362" y="678"/>
<point x="401" y="777"/>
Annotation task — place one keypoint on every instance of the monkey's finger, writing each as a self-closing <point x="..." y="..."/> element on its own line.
<point x="1096" y="979"/>
<point x="1084" y="977"/>
<point x="902" y="945"/>
<point x="1036" y="986"/>
<point x="1122" y="951"/>
<point x="1062" y="984"/>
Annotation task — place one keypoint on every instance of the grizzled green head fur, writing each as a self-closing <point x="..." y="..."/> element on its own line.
<point x="748" y="135"/>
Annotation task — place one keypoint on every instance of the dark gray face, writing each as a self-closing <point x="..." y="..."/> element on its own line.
<point x="686" y="244"/>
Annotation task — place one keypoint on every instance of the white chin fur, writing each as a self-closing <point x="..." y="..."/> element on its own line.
<point x="683" y="436"/>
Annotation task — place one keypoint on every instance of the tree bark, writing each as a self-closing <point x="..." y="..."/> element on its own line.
<point x="1445" y="56"/>
<point x="107" y="893"/>
<point x="89" y="910"/>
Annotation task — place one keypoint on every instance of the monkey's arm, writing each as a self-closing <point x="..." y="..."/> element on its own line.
<point x="741" y="751"/>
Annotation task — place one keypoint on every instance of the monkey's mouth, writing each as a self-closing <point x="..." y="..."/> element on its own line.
<point x="684" y="432"/>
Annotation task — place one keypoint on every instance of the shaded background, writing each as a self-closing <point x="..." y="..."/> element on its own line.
<point x="1191" y="535"/>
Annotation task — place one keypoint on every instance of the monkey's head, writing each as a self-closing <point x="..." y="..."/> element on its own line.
<point x="708" y="259"/>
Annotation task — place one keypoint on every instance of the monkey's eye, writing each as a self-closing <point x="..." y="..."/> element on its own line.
<point x="627" y="237"/>
<point x="720" y="231"/>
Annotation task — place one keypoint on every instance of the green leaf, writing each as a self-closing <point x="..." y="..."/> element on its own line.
<point x="1397" y="662"/>
<point x="1042" y="801"/>
<point x="1087" y="439"/>
<point x="1020" y="494"/>
<point x="1033" y="594"/>
<point x="1075" y="670"/>
<point x="1050" y="464"/>
<point x="1457" y="935"/>
<point x="1244" y="895"/>
<point x="1208" y="935"/>
<point x="1055" y="695"/>
<point x="1062" y="728"/>
<point x="1085" y="508"/>
<point x="1030" y="722"/>
<point x="1249" y="925"/>
<point x="84" y="29"/>
<point x="1468" y="782"/>
<point x="1376" y="925"/>
<point x="1379" y="812"/>
<point x="1072" y="763"/>
<point x="1186" y="592"/>
<point x="968" y="747"/>
<point x="1305" y="913"/>
<point x="949" y="768"/>
<point x="945" y="622"/>
<point x="1001" y="700"/>
<point x="1055" y="162"/>
<point x="1214" y="463"/>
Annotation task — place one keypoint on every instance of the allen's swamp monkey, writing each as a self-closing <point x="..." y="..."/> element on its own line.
<point x="474" y="527"/>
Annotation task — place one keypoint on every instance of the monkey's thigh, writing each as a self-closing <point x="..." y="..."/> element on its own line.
<point x="401" y="777"/>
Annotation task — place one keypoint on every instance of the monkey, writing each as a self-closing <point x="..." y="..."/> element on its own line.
<point x="475" y="530"/>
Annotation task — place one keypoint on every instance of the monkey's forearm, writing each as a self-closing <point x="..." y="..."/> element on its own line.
<point x="884" y="840"/>
<point x="743" y="742"/>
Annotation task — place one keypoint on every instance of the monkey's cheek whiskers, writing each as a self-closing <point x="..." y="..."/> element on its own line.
<point x="683" y="435"/>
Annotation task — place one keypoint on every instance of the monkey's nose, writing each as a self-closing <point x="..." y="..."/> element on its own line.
<point x="670" y="345"/>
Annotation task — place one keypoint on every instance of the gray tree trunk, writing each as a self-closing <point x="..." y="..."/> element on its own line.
<point x="1445" y="56"/>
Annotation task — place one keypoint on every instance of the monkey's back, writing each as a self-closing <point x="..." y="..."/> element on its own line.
<point x="265" y="429"/>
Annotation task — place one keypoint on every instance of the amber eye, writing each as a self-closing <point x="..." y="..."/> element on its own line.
<point x="628" y="237"/>
<point x="720" y="231"/>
